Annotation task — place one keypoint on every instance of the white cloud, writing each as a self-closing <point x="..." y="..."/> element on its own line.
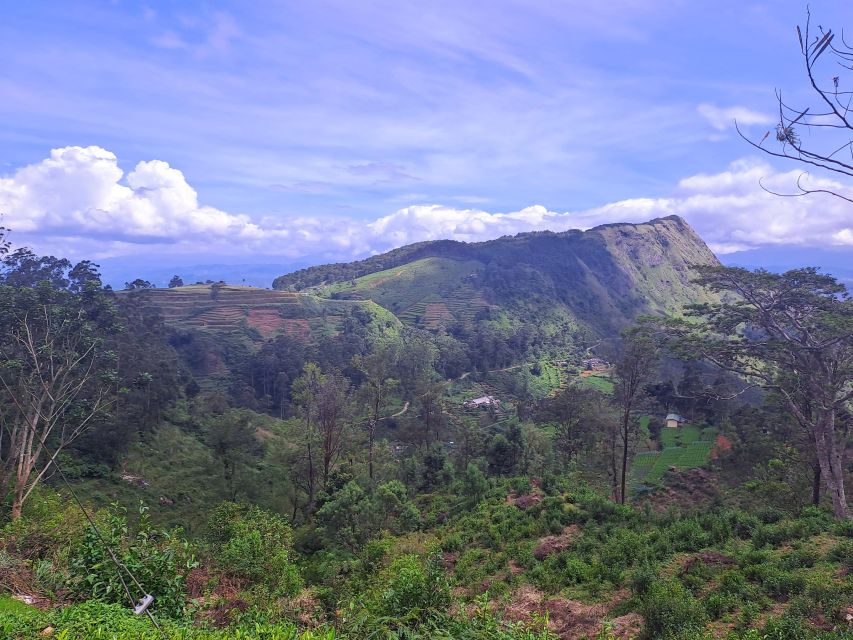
<point x="79" y="202"/>
<point x="723" y="118"/>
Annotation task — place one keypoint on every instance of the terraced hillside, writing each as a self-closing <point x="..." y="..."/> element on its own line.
<point x="225" y="308"/>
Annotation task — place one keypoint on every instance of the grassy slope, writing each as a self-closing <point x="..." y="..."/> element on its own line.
<point x="425" y="291"/>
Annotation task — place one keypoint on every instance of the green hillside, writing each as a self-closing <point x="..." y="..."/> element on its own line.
<point x="430" y="292"/>
<point x="683" y="448"/>
<point x="600" y="279"/>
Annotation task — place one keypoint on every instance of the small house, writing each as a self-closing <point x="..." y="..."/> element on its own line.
<point x="485" y="401"/>
<point x="673" y="420"/>
<point x="596" y="364"/>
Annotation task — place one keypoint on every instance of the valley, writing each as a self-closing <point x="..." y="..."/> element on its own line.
<point x="448" y="440"/>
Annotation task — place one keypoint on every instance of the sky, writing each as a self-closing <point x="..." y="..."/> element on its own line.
<point x="296" y="132"/>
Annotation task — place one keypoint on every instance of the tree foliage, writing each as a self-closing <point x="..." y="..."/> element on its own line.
<point x="791" y="333"/>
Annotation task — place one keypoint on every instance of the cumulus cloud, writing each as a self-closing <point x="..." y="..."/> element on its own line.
<point x="723" y="118"/>
<point x="80" y="202"/>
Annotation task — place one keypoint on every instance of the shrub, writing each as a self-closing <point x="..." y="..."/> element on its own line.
<point x="158" y="559"/>
<point x="417" y="589"/>
<point x="718" y="604"/>
<point x="254" y="545"/>
<point x="843" y="553"/>
<point x="688" y="535"/>
<point x="671" y="612"/>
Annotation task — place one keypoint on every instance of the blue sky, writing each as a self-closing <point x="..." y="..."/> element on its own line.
<point x="326" y="130"/>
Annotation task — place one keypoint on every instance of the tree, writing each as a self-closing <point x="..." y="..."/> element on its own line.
<point x="663" y="393"/>
<point x="56" y="372"/>
<point x="376" y="388"/>
<point x="176" y="281"/>
<point x="430" y="401"/>
<point x="633" y="369"/>
<point x="332" y="404"/>
<point x="828" y="122"/>
<point x="139" y="283"/>
<point x="232" y="439"/>
<point x="791" y="333"/>
<point x="573" y="412"/>
<point x="690" y="390"/>
<point x="306" y="388"/>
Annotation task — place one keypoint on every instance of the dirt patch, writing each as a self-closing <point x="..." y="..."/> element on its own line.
<point x="206" y="585"/>
<point x="515" y="568"/>
<point x="627" y="626"/>
<point x="707" y="558"/>
<point x="449" y="559"/>
<point x="268" y="322"/>
<point x="689" y="489"/>
<point x="525" y="501"/>
<point x="297" y="328"/>
<point x="550" y="545"/>
<point x="567" y="619"/>
<point x="305" y="607"/>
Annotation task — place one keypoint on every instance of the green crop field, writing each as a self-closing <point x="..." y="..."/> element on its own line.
<point x="695" y="455"/>
<point x="600" y="382"/>
<point x="686" y="447"/>
<point x="681" y="436"/>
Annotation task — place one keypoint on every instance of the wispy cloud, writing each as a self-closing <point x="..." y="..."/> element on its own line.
<point x="723" y="119"/>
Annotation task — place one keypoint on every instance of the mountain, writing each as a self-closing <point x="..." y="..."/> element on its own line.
<point x="533" y="297"/>
<point x="836" y="261"/>
<point x="597" y="281"/>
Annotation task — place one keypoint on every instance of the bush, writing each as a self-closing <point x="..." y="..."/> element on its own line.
<point x="417" y="589"/>
<point x="671" y="612"/>
<point x="254" y="545"/>
<point x="843" y="553"/>
<point x="158" y="559"/>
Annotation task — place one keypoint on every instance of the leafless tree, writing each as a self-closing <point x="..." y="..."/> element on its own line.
<point x="829" y="123"/>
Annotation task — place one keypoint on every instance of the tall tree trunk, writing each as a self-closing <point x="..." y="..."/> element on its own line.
<point x="816" y="480"/>
<point x="626" y="417"/>
<point x="311" y="478"/>
<point x="614" y="468"/>
<point x="371" y="432"/>
<point x="829" y="455"/>
<point x="18" y="499"/>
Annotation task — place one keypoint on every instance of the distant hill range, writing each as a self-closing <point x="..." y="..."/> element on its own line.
<point x="597" y="280"/>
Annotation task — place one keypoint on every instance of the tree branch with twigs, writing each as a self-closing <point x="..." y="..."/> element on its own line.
<point x="829" y="147"/>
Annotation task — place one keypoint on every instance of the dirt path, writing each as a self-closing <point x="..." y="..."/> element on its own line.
<point x="468" y="373"/>
<point x="401" y="411"/>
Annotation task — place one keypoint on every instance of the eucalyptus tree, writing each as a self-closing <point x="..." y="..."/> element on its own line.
<point x="57" y="370"/>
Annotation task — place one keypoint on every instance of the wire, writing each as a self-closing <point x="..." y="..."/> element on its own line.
<point x="119" y="565"/>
